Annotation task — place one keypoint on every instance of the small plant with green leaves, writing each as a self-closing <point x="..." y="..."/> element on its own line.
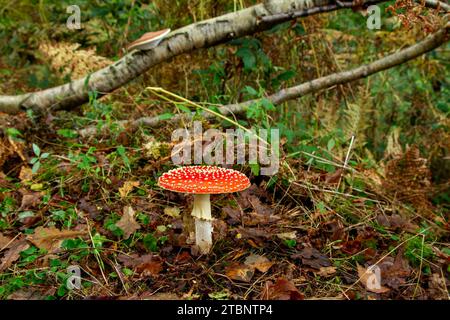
<point x="14" y="134"/>
<point x="152" y="242"/>
<point x="417" y="251"/>
<point x="36" y="161"/>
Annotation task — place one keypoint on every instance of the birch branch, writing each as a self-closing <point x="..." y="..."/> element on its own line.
<point x="429" y="43"/>
<point x="203" y="34"/>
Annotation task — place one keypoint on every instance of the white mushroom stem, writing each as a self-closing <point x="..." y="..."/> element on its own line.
<point x="203" y="222"/>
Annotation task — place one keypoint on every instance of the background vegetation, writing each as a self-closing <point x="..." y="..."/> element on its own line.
<point x="316" y="228"/>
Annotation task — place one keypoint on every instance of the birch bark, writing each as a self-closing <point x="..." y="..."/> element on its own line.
<point x="203" y="34"/>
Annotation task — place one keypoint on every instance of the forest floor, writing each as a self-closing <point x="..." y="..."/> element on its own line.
<point x="374" y="226"/>
<point x="97" y="207"/>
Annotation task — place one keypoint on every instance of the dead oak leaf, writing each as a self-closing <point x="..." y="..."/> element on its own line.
<point x="396" y="222"/>
<point x="255" y="218"/>
<point x="334" y="177"/>
<point x="371" y="280"/>
<point x="147" y="265"/>
<point x="13" y="253"/>
<point x="149" y="268"/>
<point x="282" y="289"/>
<point x="86" y="206"/>
<point x="127" y="223"/>
<point x="395" y="271"/>
<point x="4" y="241"/>
<point x="313" y="258"/>
<point x="258" y="262"/>
<point x="51" y="238"/>
<point x="183" y="257"/>
<point x="240" y="272"/>
<point x="127" y="188"/>
<point x="254" y="233"/>
<point x="31" y="199"/>
<point x="326" y="271"/>
<point x="259" y="207"/>
<point x="30" y="294"/>
<point x="25" y="174"/>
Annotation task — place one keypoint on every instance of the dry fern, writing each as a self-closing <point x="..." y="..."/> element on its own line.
<point x="412" y="13"/>
<point x="66" y="59"/>
<point x="408" y="178"/>
<point x="393" y="147"/>
<point x="352" y="120"/>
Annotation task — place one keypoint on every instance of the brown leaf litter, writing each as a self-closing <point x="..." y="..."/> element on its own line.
<point x="13" y="253"/>
<point x="127" y="223"/>
<point x="282" y="289"/>
<point x="50" y="238"/>
<point x="146" y="265"/>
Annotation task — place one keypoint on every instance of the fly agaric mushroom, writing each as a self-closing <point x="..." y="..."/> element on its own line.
<point x="201" y="181"/>
<point x="148" y="40"/>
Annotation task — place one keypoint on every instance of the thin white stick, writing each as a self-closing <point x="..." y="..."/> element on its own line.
<point x="348" y="152"/>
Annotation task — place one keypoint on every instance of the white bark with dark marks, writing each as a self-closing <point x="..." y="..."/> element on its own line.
<point x="429" y="43"/>
<point x="198" y="35"/>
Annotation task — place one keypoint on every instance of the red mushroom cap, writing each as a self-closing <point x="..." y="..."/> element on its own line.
<point x="204" y="180"/>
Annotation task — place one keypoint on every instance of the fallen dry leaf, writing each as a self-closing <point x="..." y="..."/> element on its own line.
<point x="150" y="268"/>
<point x="351" y="247"/>
<point x="395" y="271"/>
<point x="234" y="215"/>
<point x="4" y="241"/>
<point x="127" y="188"/>
<point x="282" y="289"/>
<point x="147" y="265"/>
<point x="220" y="228"/>
<point x="30" y="294"/>
<point x="260" y="208"/>
<point x="183" y="257"/>
<point x="334" y="229"/>
<point x="258" y="262"/>
<point x="437" y="287"/>
<point x="31" y="199"/>
<point x="254" y="233"/>
<point x="127" y="223"/>
<point x="51" y="238"/>
<point x="240" y="272"/>
<point x="159" y="296"/>
<point x="25" y="174"/>
<point x="334" y="177"/>
<point x="287" y="235"/>
<point x="13" y="253"/>
<point x="371" y="280"/>
<point x="173" y="212"/>
<point x="326" y="271"/>
<point x="396" y="222"/>
<point x="313" y="258"/>
<point x="86" y="206"/>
